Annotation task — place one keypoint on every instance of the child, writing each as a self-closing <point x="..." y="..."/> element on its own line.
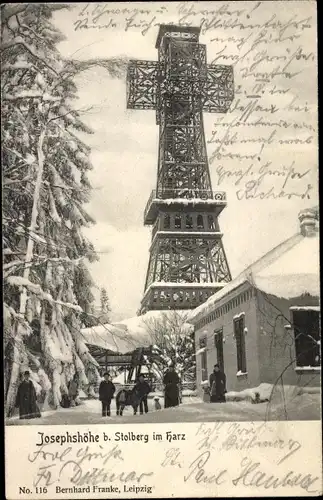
<point x="157" y="404"/>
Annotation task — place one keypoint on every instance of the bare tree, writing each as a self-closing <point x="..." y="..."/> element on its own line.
<point x="172" y="338"/>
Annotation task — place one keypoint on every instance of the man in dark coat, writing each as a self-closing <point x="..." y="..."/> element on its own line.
<point x="142" y="388"/>
<point x="106" y="392"/>
<point x="217" y="385"/>
<point x="26" y="399"/>
<point x="171" y="383"/>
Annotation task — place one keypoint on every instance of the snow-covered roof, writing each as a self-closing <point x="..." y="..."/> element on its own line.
<point x="136" y="326"/>
<point x="110" y="337"/>
<point x="288" y="270"/>
<point x="128" y="334"/>
<point x="294" y="272"/>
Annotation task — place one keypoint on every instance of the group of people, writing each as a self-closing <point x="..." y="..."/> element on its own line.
<point x="26" y="399"/>
<point x="141" y="390"/>
<point x="107" y="390"/>
<point x="171" y="383"/>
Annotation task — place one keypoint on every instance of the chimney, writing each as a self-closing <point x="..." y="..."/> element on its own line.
<point x="308" y="220"/>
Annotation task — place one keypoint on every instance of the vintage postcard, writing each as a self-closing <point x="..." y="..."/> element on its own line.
<point x="161" y="331"/>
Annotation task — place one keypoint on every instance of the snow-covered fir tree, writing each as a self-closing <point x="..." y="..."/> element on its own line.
<point x="173" y="343"/>
<point x="47" y="287"/>
<point x="105" y="310"/>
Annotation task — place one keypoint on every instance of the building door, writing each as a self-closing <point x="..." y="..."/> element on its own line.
<point x="203" y="344"/>
<point x="218" y="342"/>
<point x="239" y="325"/>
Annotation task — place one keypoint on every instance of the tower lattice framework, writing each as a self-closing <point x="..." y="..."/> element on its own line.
<point x="187" y="260"/>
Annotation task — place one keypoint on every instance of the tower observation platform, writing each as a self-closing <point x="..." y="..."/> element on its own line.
<point x="187" y="261"/>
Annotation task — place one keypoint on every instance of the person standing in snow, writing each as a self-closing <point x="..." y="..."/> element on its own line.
<point x="217" y="385"/>
<point x="26" y="399"/>
<point x="171" y="383"/>
<point x="106" y="392"/>
<point x="142" y="388"/>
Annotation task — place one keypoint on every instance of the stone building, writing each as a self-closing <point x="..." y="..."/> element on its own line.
<point x="264" y="324"/>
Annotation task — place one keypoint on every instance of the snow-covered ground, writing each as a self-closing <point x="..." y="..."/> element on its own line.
<point x="298" y="407"/>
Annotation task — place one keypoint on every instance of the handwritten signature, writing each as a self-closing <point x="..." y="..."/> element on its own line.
<point x="251" y="474"/>
<point x="71" y="463"/>
<point x="197" y="472"/>
<point x="261" y="173"/>
<point x="71" y="470"/>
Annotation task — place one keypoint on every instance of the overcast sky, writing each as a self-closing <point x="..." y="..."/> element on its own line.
<point x="125" y="142"/>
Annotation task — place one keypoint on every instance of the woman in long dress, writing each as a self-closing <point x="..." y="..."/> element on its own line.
<point x="171" y="383"/>
<point x="26" y="399"/>
<point x="217" y="385"/>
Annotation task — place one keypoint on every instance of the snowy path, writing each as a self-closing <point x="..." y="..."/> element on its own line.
<point x="193" y="410"/>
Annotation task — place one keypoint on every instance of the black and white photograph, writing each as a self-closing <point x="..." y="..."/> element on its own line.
<point x="160" y="216"/>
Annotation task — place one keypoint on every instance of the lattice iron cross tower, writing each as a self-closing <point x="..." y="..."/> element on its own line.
<point x="187" y="260"/>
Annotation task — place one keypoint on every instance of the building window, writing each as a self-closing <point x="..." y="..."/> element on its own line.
<point x="218" y="342"/>
<point x="188" y="221"/>
<point x="306" y="326"/>
<point x="200" y="223"/>
<point x="238" y="326"/>
<point x="178" y="222"/>
<point x="210" y="221"/>
<point x="166" y="221"/>
<point x="203" y="343"/>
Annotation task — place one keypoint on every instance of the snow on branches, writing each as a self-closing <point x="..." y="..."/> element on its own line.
<point x="173" y="343"/>
<point x="47" y="287"/>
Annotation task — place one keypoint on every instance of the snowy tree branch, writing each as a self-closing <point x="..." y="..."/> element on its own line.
<point x="19" y="41"/>
<point x="10" y="10"/>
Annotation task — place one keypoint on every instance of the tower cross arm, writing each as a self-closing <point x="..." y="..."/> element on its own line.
<point x="218" y="89"/>
<point x="142" y="84"/>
